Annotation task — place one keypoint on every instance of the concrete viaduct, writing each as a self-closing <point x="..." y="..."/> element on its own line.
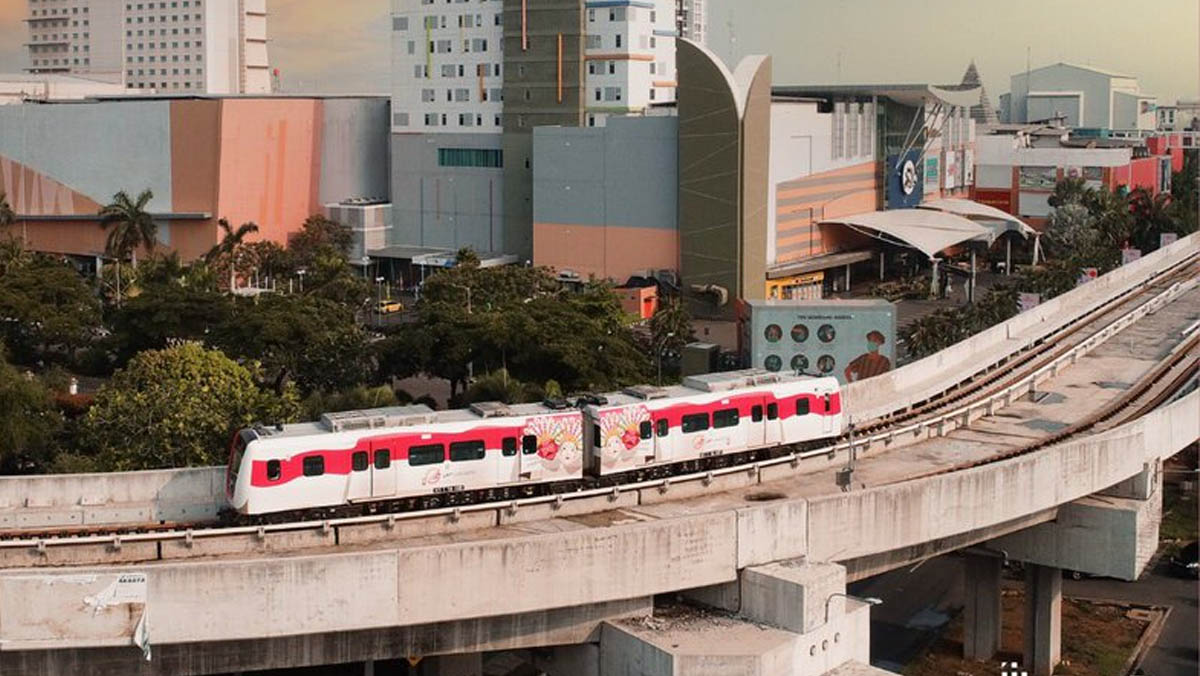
<point x="768" y="549"/>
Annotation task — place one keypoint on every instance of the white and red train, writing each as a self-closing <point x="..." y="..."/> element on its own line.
<point x="364" y="460"/>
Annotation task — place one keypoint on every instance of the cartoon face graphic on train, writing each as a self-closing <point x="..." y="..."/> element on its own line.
<point x="621" y="434"/>
<point x="559" y="442"/>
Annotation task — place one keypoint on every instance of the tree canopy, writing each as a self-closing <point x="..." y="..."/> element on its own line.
<point x="177" y="407"/>
<point x="29" y="421"/>
<point x="47" y="310"/>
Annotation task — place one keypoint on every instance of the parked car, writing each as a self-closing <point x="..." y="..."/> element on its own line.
<point x="1185" y="562"/>
<point x="387" y="307"/>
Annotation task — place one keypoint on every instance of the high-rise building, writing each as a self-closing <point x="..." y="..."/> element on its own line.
<point x="168" y="46"/>
<point x="472" y="79"/>
<point x="690" y="19"/>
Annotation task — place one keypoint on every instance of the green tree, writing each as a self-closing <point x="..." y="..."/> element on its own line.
<point x="500" y="386"/>
<point x="7" y="216"/>
<point x="177" y="407"/>
<point x="355" y="398"/>
<point x="225" y="253"/>
<point x="312" y="341"/>
<point x="319" y="235"/>
<point x="46" y="310"/>
<point x="29" y="421"/>
<point x="1152" y="216"/>
<point x="166" y="313"/>
<point x="130" y="227"/>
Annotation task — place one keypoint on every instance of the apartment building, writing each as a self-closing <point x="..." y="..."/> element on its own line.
<point x="691" y="19"/>
<point x="473" y="78"/>
<point x="166" y="46"/>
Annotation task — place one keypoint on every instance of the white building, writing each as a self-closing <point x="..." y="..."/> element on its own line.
<point x="691" y="19"/>
<point x="26" y="87"/>
<point x="168" y="46"/>
<point x="1082" y="96"/>
<point x="1179" y="117"/>
<point x="448" y="67"/>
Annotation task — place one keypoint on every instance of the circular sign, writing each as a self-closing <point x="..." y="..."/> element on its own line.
<point x="826" y="333"/>
<point x="773" y="363"/>
<point x="825" y="363"/>
<point x="773" y="333"/>
<point x="908" y="177"/>
<point x="799" y="333"/>
<point x="799" y="363"/>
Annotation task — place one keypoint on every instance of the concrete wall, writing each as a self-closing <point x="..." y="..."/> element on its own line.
<point x="449" y="207"/>
<point x="92" y="149"/>
<point x="355" y="149"/>
<point x="596" y="191"/>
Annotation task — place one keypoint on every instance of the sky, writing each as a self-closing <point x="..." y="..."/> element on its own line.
<point x="338" y="46"/>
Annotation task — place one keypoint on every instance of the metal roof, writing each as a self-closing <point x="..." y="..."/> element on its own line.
<point x="982" y="213"/>
<point x="907" y="94"/>
<point x="925" y="230"/>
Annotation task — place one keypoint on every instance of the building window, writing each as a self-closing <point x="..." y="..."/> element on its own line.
<point x="487" y="158"/>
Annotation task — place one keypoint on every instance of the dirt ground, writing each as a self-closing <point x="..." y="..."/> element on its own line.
<point x="1096" y="641"/>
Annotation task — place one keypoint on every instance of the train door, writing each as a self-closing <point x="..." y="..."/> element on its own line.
<point x="358" y="483"/>
<point x="827" y="417"/>
<point x="383" y="472"/>
<point x="756" y="427"/>
<point x="531" y="467"/>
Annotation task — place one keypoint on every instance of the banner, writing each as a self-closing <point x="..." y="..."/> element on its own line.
<point x="1086" y="275"/>
<point x="1130" y="255"/>
<point x="1028" y="301"/>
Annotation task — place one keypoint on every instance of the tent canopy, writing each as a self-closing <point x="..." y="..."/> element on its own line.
<point x="995" y="219"/>
<point x="926" y="230"/>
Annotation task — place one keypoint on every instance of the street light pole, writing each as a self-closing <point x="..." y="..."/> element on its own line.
<point x="662" y="344"/>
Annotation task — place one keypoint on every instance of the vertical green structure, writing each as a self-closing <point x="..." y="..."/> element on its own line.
<point x="724" y="153"/>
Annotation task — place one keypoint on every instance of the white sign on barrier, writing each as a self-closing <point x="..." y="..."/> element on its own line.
<point x="1028" y="301"/>
<point x="1167" y="239"/>
<point x="1130" y="255"/>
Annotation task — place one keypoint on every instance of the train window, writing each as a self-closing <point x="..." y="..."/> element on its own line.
<point x="646" y="430"/>
<point x="358" y="461"/>
<point x="664" y="426"/>
<point x="597" y="440"/>
<point x="529" y="444"/>
<point x="828" y="403"/>
<point x="383" y="458"/>
<point x="467" y="450"/>
<point x="756" y="413"/>
<point x="697" y="422"/>
<point x="772" y="411"/>
<point x="426" y="455"/>
<point x="726" y="418"/>
<point x="509" y="446"/>
<point x="802" y="407"/>
<point x="274" y="470"/>
<point x="314" y="465"/>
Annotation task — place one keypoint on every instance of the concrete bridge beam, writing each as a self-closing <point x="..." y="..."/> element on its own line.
<point x="983" y="612"/>
<point x="1043" y="619"/>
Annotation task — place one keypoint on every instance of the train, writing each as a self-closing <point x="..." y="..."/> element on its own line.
<point x="412" y="457"/>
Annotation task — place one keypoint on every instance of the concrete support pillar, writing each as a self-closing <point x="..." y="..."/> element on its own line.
<point x="569" y="660"/>
<point x="1043" y="619"/>
<point x="982" y="615"/>
<point x="793" y="596"/>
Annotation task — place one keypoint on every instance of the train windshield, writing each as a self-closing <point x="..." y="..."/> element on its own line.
<point x="237" y="448"/>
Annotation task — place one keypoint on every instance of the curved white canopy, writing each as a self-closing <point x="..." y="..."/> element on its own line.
<point x="926" y="230"/>
<point x="975" y="210"/>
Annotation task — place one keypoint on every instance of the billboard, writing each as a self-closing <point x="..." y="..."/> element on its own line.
<point x="905" y="187"/>
<point x="1039" y="178"/>
<point x="849" y="339"/>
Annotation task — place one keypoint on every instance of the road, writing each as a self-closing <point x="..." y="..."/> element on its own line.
<point x="918" y="602"/>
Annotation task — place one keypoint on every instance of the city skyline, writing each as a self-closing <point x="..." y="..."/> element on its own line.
<point x="319" y="48"/>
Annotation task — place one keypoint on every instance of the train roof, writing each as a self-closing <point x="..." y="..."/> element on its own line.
<point x="407" y="416"/>
<point x="706" y="384"/>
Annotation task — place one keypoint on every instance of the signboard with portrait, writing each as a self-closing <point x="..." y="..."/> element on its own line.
<point x="968" y="167"/>
<point x="1093" y="177"/>
<point x="1039" y="178"/>
<point x="932" y="172"/>
<point x="1086" y="275"/>
<point x="850" y="340"/>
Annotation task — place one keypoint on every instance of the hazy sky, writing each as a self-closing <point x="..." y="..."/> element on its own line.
<point x="342" y="45"/>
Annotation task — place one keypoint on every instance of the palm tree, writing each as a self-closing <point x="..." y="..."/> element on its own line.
<point x="231" y="242"/>
<point x="7" y="217"/>
<point x="130" y="227"/>
<point x="1152" y="216"/>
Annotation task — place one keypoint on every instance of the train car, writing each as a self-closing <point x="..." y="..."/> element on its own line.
<point x="404" y="452"/>
<point x="711" y="415"/>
